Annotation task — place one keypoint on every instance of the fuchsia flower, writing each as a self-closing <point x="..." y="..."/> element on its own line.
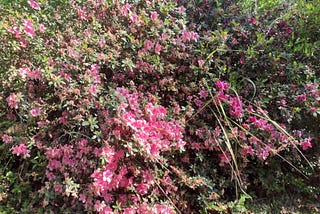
<point x="306" y="144"/>
<point x="222" y="86"/>
<point x="21" y="150"/>
<point x="34" y="4"/>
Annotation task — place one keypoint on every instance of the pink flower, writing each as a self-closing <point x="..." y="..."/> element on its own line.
<point x="236" y="109"/>
<point x="164" y="37"/>
<point x="162" y="209"/>
<point x="82" y="13"/>
<point x="242" y="61"/>
<point x="21" y="150"/>
<point x="34" y="75"/>
<point x="93" y="90"/>
<point x="129" y="211"/>
<point x="154" y="16"/>
<point x="125" y="9"/>
<point x="13" y="101"/>
<point x="200" y="63"/>
<point x="252" y="20"/>
<point x="306" y="144"/>
<point x="42" y="28"/>
<point x="203" y="94"/>
<point x="28" y="28"/>
<point x="35" y="112"/>
<point x="34" y="4"/>
<point x="182" y="9"/>
<point x="58" y="187"/>
<point x="222" y="86"/>
<point x="99" y="206"/>
<point x="142" y="189"/>
<point x="7" y="138"/>
<point x="135" y="19"/>
<point x="225" y="158"/>
<point x="23" y="71"/>
<point x="158" y="48"/>
<point x="301" y="97"/>
<point x="148" y="44"/>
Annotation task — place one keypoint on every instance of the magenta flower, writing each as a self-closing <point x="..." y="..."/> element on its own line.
<point x="21" y="150"/>
<point x="306" y="144"/>
<point x="222" y="86"/>
<point x="34" y="4"/>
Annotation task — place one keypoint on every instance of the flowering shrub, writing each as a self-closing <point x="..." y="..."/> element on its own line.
<point x="116" y="107"/>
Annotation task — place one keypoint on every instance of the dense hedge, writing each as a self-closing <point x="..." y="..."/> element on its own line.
<point x="156" y="106"/>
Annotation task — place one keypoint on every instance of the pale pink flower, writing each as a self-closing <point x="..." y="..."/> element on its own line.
<point x="21" y="150"/>
<point x="15" y="30"/>
<point x="34" y="4"/>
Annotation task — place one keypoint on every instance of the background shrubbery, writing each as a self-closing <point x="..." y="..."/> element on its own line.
<point x="157" y="106"/>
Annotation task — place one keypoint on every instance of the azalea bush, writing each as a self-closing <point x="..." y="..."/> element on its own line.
<point x="145" y="106"/>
